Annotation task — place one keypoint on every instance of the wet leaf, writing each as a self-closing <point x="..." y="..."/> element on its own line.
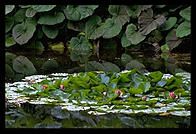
<point x="156" y="76"/>
<point x="22" y="64"/>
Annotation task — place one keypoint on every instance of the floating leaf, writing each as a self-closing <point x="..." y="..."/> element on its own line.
<point x="111" y="28"/>
<point x="135" y="90"/>
<point x="124" y="41"/>
<point x="186" y="13"/>
<point x="168" y="24"/>
<point x="30" y="12"/>
<point x="184" y="29"/>
<point x="132" y="35"/>
<point x="171" y="40"/>
<point x="50" y="32"/>
<point x="9" y="22"/>
<point x="42" y="8"/>
<point x="9" y="41"/>
<point x="147" y="22"/>
<point x="22" y="64"/>
<point x="79" y="12"/>
<point x="22" y="33"/>
<point x="156" y="76"/>
<point x="9" y="8"/>
<point x="51" y="19"/>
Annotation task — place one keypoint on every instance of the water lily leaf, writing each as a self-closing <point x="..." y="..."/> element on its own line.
<point x="42" y="8"/>
<point x="9" y="41"/>
<point x="110" y="67"/>
<point x="184" y="29"/>
<point x="9" y="22"/>
<point x="111" y="28"/>
<point x="132" y="35"/>
<point x="186" y="13"/>
<point x="9" y="8"/>
<point x="22" y="64"/>
<point x="30" y="12"/>
<point x="156" y="76"/>
<point x="133" y="11"/>
<point x="171" y="40"/>
<point x="168" y="24"/>
<point x="124" y="41"/>
<point x="91" y="25"/>
<point x="50" y="32"/>
<point x="76" y="26"/>
<point x="135" y="90"/>
<point x="51" y="19"/>
<point x="23" y="32"/>
<point x="161" y="83"/>
<point x="147" y="23"/>
<point x="19" y="16"/>
<point x="59" y="47"/>
<point x="79" y="12"/>
<point x="145" y="86"/>
<point x="125" y="58"/>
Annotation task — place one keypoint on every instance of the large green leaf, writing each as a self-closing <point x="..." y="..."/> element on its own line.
<point x="135" y="90"/>
<point x="147" y="23"/>
<point x="30" y="12"/>
<point x="19" y="16"/>
<point x="171" y="40"/>
<point x="50" y="32"/>
<point x="51" y="19"/>
<point x="23" y="32"/>
<point x="9" y="57"/>
<point x="76" y="26"/>
<point x="133" y="11"/>
<point x="22" y="64"/>
<point x="9" y="41"/>
<point x="9" y="8"/>
<point x="183" y="29"/>
<point x="125" y="58"/>
<point x="156" y="76"/>
<point x="186" y="13"/>
<point x="111" y="28"/>
<point x="9" y="22"/>
<point x="168" y="24"/>
<point x="124" y="41"/>
<point x="43" y="8"/>
<point x="114" y="9"/>
<point x="110" y="67"/>
<point x="132" y="35"/>
<point x="79" y="12"/>
<point x="93" y="66"/>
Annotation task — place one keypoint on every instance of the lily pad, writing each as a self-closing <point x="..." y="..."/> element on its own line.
<point x="51" y="19"/>
<point x="22" y="33"/>
<point x="50" y="32"/>
<point x="9" y="41"/>
<point x="186" y="13"/>
<point x="22" y="64"/>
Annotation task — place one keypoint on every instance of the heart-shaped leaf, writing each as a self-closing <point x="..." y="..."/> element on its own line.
<point x="171" y="40"/>
<point x="132" y="35"/>
<point x="186" y="13"/>
<point x="9" y="8"/>
<point x="133" y="11"/>
<point x="50" y="32"/>
<point x="147" y="23"/>
<point x="114" y="9"/>
<point x="42" y="8"/>
<point x="79" y="12"/>
<point x="124" y="41"/>
<point x="9" y="41"/>
<point x="51" y="19"/>
<point x="19" y="16"/>
<point x="168" y="24"/>
<point x="183" y="29"/>
<point x="125" y="58"/>
<point x="110" y="67"/>
<point x="23" y="32"/>
<point x="22" y="64"/>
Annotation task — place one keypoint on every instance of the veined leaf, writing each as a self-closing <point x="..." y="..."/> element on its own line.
<point x="184" y="29"/>
<point x="50" y="32"/>
<point x="51" y="19"/>
<point x="186" y="13"/>
<point x="168" y="24"/>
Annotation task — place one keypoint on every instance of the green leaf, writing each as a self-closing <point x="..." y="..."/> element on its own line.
<point x="9" y="73"/>
<point x="165" y="48"/>
<point x="50" y="65"/>
<point x="133" y="11"/>
<point x="147" y="22"/>
<point x="155" y="36"/>
<point x="132" y="35"/>
<point x="161" y="83"/>
<point x="42" y="8"/>
<point x="134" y="64"/>
<point x="124" y="41"/>
<point x="9" y="8"/>
<point x="50" y="32"/>
<point x="76" y="26"/>
<point x="184" y="29"/>
<point x="171" y="40"/>
<point x="160" y="6"/>
<point x="51" y="19"/>
<point x="111" y="28"/>
<point x="19" y="16"/>
<point x="186" y="13"/>
<point x="79" y="12"/>
<point x="110" y="67"/>
<point x="30" y="12"/>
<point x="156" y="76"/>
<point x="22" y="64"/>
<point x="93" y="66"/>
<point x="168" y="24"/>
<point x="36" y="45"/>
<point x="114" y="9"/>
<point x="22" y="33"/>
<point x="9" y="41"/>
<point x="9" y="57"/>
<point x="145" y="86"/>
<point x="58" y="47"/>
<point x="125" y="58"/>
<point x="9" y="22"/>
<point x="135" y="90"/>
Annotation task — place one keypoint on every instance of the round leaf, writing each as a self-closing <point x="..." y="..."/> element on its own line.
<point x="50" y="32"/>
<point x="9" y="8"/>
<point x="134" y="64"/>
<point x="186" y="13"/>
<point x="48" y="19"/>
<point x="183" y="29"/>
<point x="93" y="66"/>
<point x="43" y="8"/>
<point x="22" y="64"/>
<point x="23" y="32"/>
